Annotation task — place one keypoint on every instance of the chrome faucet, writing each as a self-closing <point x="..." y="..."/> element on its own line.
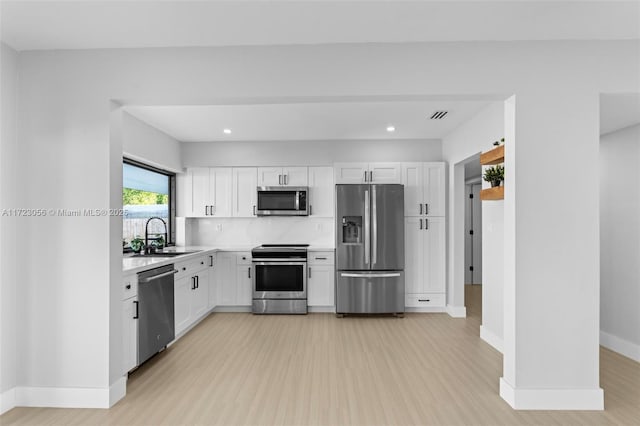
<point x="147" y="249"/>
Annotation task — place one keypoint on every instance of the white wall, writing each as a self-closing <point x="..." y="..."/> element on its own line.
<point x="311" y="153"/>
<point x="477" y="135"/>
<point x="620" y="241"/>
<point x="65" y="161"/>
<point x="148" y="144"/>
<point x="8" y="224"/>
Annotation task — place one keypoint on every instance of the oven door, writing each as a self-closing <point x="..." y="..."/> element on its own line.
<point x="279" y="280"/>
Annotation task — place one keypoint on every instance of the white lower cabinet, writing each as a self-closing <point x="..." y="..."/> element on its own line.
<point x="191" y="295"/>
<point x="321" y="279"/>
<point x="233" y="279"/>
<point x="425" y="261"/>
<point x="213" y="280"/>
<point x="129" y="334"/>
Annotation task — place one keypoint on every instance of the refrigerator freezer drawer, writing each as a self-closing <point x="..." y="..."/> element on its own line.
<point x="369" y="292"/>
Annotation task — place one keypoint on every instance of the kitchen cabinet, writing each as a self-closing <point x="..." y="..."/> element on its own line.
<point x="321" y="192"/>
<point x="234" y="279"/>
<point x="282" y="176"/>
<point x="321" y="279"/>
<point x="424" y="189"/>
<point x="213" y="280"/>
<point x="358" y="173"/>
<point x="208" y="192"/>
<point x="191" y="293"/>
<point x="129" y="323"/>
<point x="425" y="261"/>
<point x="245" y="182"/>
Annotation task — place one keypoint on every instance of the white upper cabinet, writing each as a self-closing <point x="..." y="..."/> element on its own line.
<point x="321" y="192"/>
<point x="424" y="189"/>
<point x="207" y="192"/>
<point x="245" y="183"/>
<point x="434" y="189"/>
<point x="356" y="173"/>
<point x="282" y="176"/>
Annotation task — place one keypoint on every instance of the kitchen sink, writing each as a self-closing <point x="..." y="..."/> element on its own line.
<point x="165" y="254"/>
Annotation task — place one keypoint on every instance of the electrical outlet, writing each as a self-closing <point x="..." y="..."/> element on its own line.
<point x="319" y="227"/>
<point x="219" y="227"/>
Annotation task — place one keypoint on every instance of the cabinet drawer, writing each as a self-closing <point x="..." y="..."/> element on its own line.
<point x="320" y="258"/>
<point x="129" y="286"/>
<point x="190" y="267"/>
<point x="243" y="258"/>
<point x="418" y="300"/>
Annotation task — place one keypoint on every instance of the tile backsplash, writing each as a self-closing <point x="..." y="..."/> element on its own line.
<point x="260" y="230"/>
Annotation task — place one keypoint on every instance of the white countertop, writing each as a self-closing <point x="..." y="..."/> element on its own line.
<point x="132" y="265"/>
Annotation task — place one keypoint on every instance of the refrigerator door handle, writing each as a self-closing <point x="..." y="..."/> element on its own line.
<point x="374" y="230"/>
<point x="367" y="224"/>
<point x="370" y="275"/>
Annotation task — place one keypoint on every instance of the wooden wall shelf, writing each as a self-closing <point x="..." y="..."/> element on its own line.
<point x="495" y="193"/>
<point x="495" y="156"/>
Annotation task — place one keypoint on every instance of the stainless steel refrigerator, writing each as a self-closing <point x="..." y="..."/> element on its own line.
<point x="369" y="249"/>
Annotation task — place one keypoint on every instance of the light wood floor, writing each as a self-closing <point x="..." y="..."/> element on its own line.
<point x="318" y="369"/>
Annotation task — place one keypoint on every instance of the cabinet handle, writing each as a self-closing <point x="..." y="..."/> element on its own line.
<point x="211" y="210"/>
<point x="371" y="176"/>
<point x="420" y="204"/>
<point x="309" y="272"/>
<point x="211" y="261"/>
<point x="137" y="314"/>
<point x="321" y="258"/>
<point x="197" y="281"/>
<point x="279" y="179"/>
<point x="128" y="286"/>
<point x="420" y="223"/>
<point x="193" y="283"/>
<point x="254" y="210"/>
<point x="424" y="300"/>
<point x="286" y="179"/>
<point x="184" y="268"/>
<point x="426" y="224"/>
<point x="249" y="272"/>
<point x="206" y="210"/>
<point x="202" y="263"/>
<point x="310" y="210"/>
<point x="365" y="175"/>
<point x="426" y="208"/>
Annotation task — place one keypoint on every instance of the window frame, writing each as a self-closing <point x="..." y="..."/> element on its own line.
<point x="171" y="225"/>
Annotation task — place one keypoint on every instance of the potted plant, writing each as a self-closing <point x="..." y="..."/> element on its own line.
<point x="494" y="175"/>
<point x="498" y="143"/>
<point x="137" y="244"/>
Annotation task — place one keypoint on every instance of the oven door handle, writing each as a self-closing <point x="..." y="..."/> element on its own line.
<point x="294" y="261"/>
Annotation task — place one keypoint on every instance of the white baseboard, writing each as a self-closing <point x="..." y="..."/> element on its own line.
<point x="491" y="338"/>
<point x="457" y="311"/>
<point x="232" y="309"/>
<point x="425" y="309"/>
<point x="7" y="400"/>
<point x="322" y="309"/>
<point x="118" y="390"/>
<point x="66" y="397"/>
<point x="621" y="346"/>
<point x="552" y="399"/>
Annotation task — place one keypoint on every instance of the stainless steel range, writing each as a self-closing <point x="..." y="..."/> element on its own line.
<point x="279" y="278"/>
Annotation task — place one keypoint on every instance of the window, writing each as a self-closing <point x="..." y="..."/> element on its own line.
<point x="147" y="192"/>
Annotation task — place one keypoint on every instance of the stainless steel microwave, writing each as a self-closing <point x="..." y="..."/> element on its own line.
<point x="282" y="201"/>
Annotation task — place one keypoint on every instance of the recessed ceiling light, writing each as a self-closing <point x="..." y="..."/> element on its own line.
<point x="227" y="131"/>
<point x="391" y="129"/>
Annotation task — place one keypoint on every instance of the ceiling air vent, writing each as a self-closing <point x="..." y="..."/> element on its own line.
<point x="439" y="115"/>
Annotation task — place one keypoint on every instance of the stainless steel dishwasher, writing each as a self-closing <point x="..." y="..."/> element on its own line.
<point x="156" y="324"/>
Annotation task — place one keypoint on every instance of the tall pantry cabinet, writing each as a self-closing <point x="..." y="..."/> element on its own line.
<point x="425" y="230"/>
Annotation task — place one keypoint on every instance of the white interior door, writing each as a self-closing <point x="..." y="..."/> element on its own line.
<point x="477" y="234"/>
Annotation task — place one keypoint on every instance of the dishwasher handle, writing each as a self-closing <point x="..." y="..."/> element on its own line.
<point x="156" y="277"/>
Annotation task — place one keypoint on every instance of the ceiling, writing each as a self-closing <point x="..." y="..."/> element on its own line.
<point x="87" y="24"/>
<point x="308" y="121"/>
